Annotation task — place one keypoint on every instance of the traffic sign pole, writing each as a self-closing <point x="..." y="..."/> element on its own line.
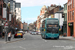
<point x="6" y="28"/>
<point x="6" y="34"/>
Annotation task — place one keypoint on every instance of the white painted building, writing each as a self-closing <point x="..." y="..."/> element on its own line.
<point x="18" y="11"/>
<point x="59" y="15"/>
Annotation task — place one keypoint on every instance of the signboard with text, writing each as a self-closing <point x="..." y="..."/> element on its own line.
<point x="6" y="25"/>
<point x="70" y="24"/>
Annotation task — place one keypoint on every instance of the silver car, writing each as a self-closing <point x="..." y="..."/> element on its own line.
<point x="33" y="33"/>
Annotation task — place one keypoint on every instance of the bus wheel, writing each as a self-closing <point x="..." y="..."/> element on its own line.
<point x="42" y="37"/>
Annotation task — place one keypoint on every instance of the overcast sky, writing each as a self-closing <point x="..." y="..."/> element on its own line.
<point x="26" y="3"/>
<point x="31" y="8"/>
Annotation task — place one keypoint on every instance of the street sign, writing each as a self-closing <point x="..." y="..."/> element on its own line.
<point x="6" y="25"/>
<point x="70" y="24"/>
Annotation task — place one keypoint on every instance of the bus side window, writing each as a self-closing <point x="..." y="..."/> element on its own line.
<point x="43" y="26"/>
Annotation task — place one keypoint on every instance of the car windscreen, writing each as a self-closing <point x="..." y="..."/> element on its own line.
<point x="19" y="32"/>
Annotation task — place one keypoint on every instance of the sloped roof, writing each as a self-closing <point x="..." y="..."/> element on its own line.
<point x="61" y="11"/>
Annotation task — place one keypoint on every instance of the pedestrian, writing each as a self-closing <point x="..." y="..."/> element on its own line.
<point x="3" y="35"/>
<point x="0" y="34"/>
<point x="9" y="36"/>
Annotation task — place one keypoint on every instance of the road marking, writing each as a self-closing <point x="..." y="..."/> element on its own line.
<point x="65" y="47"/>
<point x="45" y="40"/>
<point x="22" y="47"/>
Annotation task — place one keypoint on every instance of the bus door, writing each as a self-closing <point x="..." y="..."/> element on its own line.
<point x="43" y="30"/>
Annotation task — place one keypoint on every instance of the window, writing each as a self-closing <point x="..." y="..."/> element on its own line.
<point x="73" y="15"/>
<point x="71" y="6"/>
<point x="68" y="7"/>
<point x="73" y="3"/>
<point x="1" y="10"/>
<point x="70" y="15"/>
<point x="43" y="24"/>
<point x="64" y="7"/>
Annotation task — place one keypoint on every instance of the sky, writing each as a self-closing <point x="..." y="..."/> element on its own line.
<point x="30" y="9"/>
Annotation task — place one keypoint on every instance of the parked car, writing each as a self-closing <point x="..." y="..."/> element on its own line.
<point x="39" y="33"/>
<point x="22" y="32"/>
<point x="34" y="33"/>
<point x="18" y="34"/>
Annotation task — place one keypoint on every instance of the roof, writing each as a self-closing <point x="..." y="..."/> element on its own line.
<point x="61" y="11"/>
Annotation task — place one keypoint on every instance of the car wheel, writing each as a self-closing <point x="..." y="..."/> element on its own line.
<point x="21" y="36"/>
<point x="14" y="37"/>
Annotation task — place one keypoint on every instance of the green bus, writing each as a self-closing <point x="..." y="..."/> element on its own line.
<point x="50" y="28"/>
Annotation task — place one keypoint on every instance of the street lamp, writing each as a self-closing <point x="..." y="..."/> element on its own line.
<point x="6" y="1"/>
<point x="2" y="27"/>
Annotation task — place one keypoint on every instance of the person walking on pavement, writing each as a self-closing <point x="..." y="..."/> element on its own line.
<point x="9" y="36"/>
<point x="0" y="34"/>
<point x="3" y="34"/>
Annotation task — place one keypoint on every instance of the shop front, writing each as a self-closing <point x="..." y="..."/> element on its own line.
<point x="65" y="28"/>
<point x="70" y="29"/>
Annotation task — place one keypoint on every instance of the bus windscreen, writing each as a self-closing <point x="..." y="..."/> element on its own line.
<point x="52" y="22"/>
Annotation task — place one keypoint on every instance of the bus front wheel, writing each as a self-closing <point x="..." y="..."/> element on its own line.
<point x="43" y="37"/>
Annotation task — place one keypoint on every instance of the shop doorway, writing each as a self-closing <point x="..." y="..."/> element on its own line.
<point x="71" y="30"/>
<point x="0" y="28"/>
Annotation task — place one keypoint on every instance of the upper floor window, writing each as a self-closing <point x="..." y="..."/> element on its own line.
<point x="73" y="14"/>
<point x="73" y="3"/>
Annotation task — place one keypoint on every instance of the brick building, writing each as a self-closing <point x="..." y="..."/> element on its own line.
<point x="11" y="15"/>
<point x="71" y="18"/>
<point x="1" y="14"/>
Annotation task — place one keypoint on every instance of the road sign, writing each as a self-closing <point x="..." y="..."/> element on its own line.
<point x="6" y="25"/>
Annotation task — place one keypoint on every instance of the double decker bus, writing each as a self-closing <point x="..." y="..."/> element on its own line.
<point x="50" y="28"/>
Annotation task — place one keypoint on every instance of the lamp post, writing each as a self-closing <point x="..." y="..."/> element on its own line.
<point x="6" y="1"/>
<point x="2" y="27"/>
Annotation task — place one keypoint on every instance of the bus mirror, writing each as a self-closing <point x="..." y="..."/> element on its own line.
<point x="59" y="29"/>
<point x="44" y="29"/>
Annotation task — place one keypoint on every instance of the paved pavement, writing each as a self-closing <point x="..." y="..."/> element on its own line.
<point x="67" y="38"/>
<point x="12" y="40"/>
<point x="35" y="42"/>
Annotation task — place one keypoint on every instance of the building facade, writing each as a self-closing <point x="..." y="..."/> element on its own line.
<point x="11" y="14"/>
<point x="65" y="19"/>
<point x="1" y="14"/>
<point x="21" y="26"/>
<point x="18" y="11"/>
<point x="31" y="26"/>
<point x="25" y="26"/>
<point x="71" y="18"/>
<point x="38" y="24"/>
<point x="59" y="15"/>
